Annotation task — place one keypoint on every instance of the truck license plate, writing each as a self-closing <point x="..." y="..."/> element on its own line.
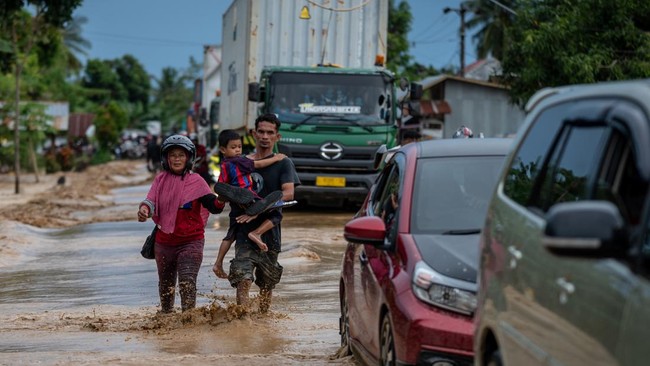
<point x="330" y="181"/>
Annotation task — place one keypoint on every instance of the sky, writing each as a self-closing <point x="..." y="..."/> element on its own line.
<point x="166" y="33"/>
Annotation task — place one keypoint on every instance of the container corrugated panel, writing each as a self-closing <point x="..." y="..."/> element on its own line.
<point x="211" y="74"/>
<point x="258" y="33"/>
<point x="351" y="35"/>
<point x="234" y="101"/>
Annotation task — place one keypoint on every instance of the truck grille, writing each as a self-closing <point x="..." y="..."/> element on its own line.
<point x="354" y="160"/>
<point x="315" y="155"/>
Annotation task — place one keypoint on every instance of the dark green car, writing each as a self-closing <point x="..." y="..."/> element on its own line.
<point x="565" y="250"/>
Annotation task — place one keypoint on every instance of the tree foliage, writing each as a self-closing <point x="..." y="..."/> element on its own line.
<point x="399" y="58"/>
<point x="123" y="81"/>
<point x="103" y="83"/>
<point x="492" y="22"/>
<point x="44" y="15"/>
<point x="110" y="120"/>
<point x="556" y="42"/>
<point x="172" y="96"/>
<point x="399" y="24"/>
<point x="134" y="79"/>
<point x="75" y="43"/>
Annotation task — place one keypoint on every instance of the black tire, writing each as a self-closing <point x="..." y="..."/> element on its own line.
<point x="495" y="359"/>
<point x="344" y="327"/>
<point x="387" y="344"/>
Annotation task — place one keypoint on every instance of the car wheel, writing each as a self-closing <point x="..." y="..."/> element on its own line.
<point x="387" y="357"/>
<point x="495" y="359"/>
<point x="344" y="327"/>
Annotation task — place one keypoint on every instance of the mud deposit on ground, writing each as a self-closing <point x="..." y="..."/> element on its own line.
<point x="76" y="291"/>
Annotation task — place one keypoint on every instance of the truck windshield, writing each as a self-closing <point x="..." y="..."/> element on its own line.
<point x="307" y="98"/>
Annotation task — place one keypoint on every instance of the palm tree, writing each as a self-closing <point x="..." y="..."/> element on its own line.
<point x="492" y="20"/>
<point x="172" y="96"/>
<point x="75" y="43"/>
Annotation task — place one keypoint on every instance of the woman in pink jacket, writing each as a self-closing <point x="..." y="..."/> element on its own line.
<point x="179" y="202"/>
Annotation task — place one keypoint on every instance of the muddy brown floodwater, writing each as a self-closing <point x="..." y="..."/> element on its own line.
<point x="84" y="295"/>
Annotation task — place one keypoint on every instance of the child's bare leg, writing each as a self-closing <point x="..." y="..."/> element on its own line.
<point x="256" y="235"/>
<point x="217" y="268"/>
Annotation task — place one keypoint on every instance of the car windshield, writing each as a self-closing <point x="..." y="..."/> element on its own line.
<point x="451" y="194"/>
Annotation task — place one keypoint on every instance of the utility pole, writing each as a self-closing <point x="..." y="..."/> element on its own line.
<point x="461" y="11"/>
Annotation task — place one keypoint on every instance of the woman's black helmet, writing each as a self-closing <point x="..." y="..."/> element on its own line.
<point x="178" y="141"/>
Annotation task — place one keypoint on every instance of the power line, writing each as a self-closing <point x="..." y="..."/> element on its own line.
<point x="503" y="7"/>
<point x="144" y="40"/>
<point x="439" y="26"/>
<point x="450" y="58"/>
<point x="431" y="25"/>
<point x="443" y="39"/>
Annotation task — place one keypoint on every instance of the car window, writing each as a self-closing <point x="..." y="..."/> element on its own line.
<point x="531" y="153"/>
<point x="535" y="146"/>
<point x="620" y="181"/>
<point x="388" y="201"/>
<point x="387" y="186"/>
<point x="573" y="167"/>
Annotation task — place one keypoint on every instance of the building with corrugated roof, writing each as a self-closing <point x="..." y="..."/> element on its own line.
<point x="452" y="101"/>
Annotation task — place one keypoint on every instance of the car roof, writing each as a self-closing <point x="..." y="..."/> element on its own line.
<point x="461" y="147"/>
<point x="631" y="89"/>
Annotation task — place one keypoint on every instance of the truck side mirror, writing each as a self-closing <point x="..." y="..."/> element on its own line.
<point x="254" y="92"/>
<point x="403" y="83"/>
<point x="416" y="91"/>
<point x="414" y="108"/>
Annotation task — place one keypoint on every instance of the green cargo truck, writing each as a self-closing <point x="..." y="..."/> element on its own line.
<point x="334" y="119"/>
<point x="333" y="122"/>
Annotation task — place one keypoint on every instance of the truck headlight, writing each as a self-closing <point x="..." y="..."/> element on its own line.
<point x="436" y="289"/>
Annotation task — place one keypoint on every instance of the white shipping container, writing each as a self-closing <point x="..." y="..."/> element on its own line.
<point x="258" y="33"/>
<point x="211" y="73"/>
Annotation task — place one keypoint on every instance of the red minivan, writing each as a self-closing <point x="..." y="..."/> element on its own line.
<point x="408" y="278"/>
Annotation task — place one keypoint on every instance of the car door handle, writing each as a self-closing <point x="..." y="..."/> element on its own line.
<point x="516" y="255"/>
<point x="567" y="289"/>
<point x="363" y="258"/>
<point x="565" y="285"/>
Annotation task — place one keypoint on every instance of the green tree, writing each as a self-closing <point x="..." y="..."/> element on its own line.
<point x="556" y="42"/>
<point x="122" y="80"/>
<point x="36" y="128"/>
<point x="103" y="83"/>
<point x="172" y="96"/>
<point x="75" y="43"/>
<point x="492" y="22"/>
<point x="134" y="79"/>
<point x="110" y="120"/>
<point x="399" y="58"/>
<point x="44" y="15"/>
<point x="399" y="25"/>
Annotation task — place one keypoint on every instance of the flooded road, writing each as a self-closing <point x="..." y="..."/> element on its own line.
<point x="84" y="295"/>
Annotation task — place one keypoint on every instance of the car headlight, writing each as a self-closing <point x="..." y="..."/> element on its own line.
<point x="436" y="289"/>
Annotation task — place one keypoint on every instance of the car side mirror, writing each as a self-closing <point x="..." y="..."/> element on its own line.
<point x="379" y="156"/>
<point x="366" y="230"/>
<point x="585" y="228"/>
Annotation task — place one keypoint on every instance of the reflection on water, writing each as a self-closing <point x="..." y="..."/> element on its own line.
<point x="85" y="295"/>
